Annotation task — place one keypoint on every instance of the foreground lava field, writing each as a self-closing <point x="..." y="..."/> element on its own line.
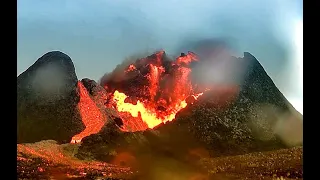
<point x="48" y="160"/>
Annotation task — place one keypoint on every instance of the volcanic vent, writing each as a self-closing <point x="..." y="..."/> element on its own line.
<point x="151" y="90"/>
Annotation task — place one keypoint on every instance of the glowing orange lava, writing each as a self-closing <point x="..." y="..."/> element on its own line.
<point x="167" y="89"/>
<point x="148" y="115"/>
<point x="187" y="58"/>
<point x="90" y="114"/>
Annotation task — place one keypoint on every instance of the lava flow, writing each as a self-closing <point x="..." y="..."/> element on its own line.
<point x="151" y="90"/>
<point x="90" y="115"/>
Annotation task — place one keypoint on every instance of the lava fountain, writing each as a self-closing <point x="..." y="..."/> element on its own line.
<point x="152" y="90"/>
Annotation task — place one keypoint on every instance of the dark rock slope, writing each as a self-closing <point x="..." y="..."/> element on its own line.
<point x="47" y="100"/>
<point x="250" y="116"/>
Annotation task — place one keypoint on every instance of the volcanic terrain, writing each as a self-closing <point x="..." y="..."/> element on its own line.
<point x="195" y="116"/>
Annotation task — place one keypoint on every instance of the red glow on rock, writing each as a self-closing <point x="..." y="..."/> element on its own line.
<point x="124" y="159"/>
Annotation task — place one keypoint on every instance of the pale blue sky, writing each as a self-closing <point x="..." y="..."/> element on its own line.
<point x="99" y="34"/>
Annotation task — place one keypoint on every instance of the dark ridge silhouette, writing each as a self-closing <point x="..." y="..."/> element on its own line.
<point x="47" y="99"/>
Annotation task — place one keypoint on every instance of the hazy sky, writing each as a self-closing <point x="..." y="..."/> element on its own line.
<point x="99" y="34"/>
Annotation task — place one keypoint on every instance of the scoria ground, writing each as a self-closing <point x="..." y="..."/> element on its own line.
<point x="48" y="160"/>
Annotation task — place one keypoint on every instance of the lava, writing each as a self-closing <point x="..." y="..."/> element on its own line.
<point x="152" y="91"/>
<point x="155" y="90"/>
<point x="90" y="114"/>
<point x="187" y="58"/>
<point x="148" y="115"/>
<point x="131" y="68"/>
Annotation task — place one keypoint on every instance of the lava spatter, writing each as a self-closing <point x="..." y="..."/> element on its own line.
<point x="165" y="91"/>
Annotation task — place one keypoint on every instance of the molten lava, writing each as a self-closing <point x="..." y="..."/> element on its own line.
<point x="90" y="114"/>
<point x="148" y="114"/>
<point x="152" y="90"/>
<point x="146" y="93"/>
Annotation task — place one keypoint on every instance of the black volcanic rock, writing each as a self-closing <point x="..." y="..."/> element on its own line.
<point x="248" y="116"/>
<point x="259" y="88"/>
<point x="47" y="99"/>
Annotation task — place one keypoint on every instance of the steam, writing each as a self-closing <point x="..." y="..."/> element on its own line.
<point x="50" y="80"/>
<point x="269" y="122"/>
<point x="217" y="64"/>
